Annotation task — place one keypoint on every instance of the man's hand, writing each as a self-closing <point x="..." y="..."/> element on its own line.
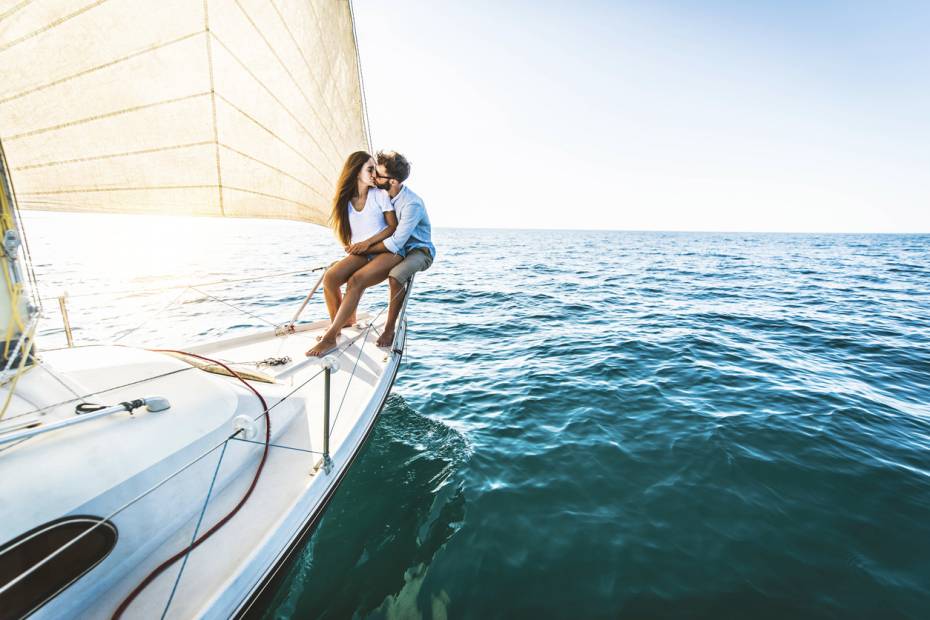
<point x="359" y="248"/>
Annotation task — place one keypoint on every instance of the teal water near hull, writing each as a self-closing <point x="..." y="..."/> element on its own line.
<point x="635" y="425"/>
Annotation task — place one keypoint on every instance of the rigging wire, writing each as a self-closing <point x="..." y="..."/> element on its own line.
<point x="110" y="516"/>
<point x="199" y="540"/>
<point x="361" y="79"/>
<point x="219" y="524"/>
<point x="203" y="511"/>
<point x="47" y="408"/>
<point x="371" y="326"/>
<point x="27" y="350"/>
<point x="243" y="310"/>
<point x="159" y="313"/>
<point x="43" y="410"/>
<point x="161" y="289"/>
<point x="267" y="444"/>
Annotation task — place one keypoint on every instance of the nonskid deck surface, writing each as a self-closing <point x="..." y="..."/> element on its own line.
<point x="190" y="444"/>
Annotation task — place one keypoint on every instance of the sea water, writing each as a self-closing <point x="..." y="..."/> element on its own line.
<point x="585" y="424"/>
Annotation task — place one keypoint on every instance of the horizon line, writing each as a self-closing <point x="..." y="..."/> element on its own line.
<point x="694" y="231"/>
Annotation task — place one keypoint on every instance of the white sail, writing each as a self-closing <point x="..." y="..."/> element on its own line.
<point x="242" y="108"/>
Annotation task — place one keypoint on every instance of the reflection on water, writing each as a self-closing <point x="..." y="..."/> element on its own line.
<point x="399" y="504"/>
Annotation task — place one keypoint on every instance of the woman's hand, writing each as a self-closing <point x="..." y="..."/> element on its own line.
<point x="359" y="248"/>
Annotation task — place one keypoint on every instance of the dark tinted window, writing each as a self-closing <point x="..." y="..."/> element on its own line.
<point x="22" y="553"/>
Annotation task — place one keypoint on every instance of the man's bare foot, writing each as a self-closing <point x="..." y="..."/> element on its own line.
<point x="324" y="346"/>
<point x="386" y="339"/>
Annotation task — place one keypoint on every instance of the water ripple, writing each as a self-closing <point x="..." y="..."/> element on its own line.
<point x="596" y="424"/>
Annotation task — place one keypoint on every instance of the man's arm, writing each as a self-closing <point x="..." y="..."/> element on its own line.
<point x="413" y="213"/>
<point x="377" y="248"/>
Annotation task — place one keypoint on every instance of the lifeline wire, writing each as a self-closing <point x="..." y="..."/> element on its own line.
<point x="261" y="465"/>
<point x="133" y="292"/>
<point x="203" y="511"/>
<point x="195" y="543"/>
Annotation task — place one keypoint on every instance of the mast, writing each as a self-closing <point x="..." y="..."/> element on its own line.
<point x="18" y="314"/>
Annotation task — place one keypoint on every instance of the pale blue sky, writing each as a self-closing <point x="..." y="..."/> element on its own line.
<point x="657" y="115"/>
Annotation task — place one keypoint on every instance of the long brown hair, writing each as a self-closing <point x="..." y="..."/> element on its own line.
<point x="346" y="189"/>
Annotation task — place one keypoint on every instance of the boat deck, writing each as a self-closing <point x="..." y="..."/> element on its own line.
<point x="164" y="478"/>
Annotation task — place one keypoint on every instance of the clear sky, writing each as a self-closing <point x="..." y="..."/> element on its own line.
<point x="657" y="114"/>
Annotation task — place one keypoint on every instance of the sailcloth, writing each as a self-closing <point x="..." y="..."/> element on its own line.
<point x="241" y="108"/>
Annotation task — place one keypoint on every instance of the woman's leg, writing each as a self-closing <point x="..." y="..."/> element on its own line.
<point x="335" y="277"/>
<point x="374" y="272"/>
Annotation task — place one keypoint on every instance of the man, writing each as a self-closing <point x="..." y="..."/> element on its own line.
<point x="410" y="242"/>
<point x="412" y="239"/>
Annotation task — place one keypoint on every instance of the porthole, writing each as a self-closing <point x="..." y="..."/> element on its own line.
<point x="83" y="543"/>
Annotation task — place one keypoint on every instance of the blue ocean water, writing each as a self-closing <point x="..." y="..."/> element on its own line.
<point x="594" y="424"/>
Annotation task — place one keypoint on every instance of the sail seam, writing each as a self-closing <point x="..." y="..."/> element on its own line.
<point x="99" y="67"/>
<point x="115" y="155"/>
<point x="15" y="9"/>
<point x="172" y="208"/>
<point x="216" y="132"/>
<point x="306" y="212"/>
<point x="275" y="168"/>
<point x="289" y="74"/>
<point x="54" y="24"/>
<point x="90" y="190"/>
<point x="273" y="134"/>
<point x="282" y="198"/>
<point x="329" y="61"/>
<point x="310" y="70"/>
<point x="273" y="96"/>
<point x="102" y="116"/>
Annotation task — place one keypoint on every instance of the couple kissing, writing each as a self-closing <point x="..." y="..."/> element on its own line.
<point x="386" y="233"/>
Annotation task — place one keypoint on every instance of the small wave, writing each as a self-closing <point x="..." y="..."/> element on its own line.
<point x="399" y="505"/>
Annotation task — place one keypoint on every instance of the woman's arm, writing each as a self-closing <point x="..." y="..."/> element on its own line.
<point x="362" y="247"/>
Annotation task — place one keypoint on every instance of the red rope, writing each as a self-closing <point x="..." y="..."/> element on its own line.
<point x="180" y="554"/>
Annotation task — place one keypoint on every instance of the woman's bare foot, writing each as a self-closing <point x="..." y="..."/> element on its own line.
<point x="324" y="346"/>
<point x="386" y="339"/>
<point x="349" y="324"/>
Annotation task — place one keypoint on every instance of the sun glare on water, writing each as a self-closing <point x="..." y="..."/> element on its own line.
<point x="119" y="271"/>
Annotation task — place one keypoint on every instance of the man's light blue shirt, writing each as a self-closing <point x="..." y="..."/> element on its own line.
<point x="413" y="229"/>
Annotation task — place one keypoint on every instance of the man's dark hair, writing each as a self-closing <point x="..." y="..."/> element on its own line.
<point x="396" y="164"/>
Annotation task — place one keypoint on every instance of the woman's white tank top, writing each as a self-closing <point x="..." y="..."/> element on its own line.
<point x="370" y="220"/>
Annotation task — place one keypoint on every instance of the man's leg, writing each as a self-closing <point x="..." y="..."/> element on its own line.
<point x="374" y="272"/>
<point x="399" y="277"/>
<point x="398" y="293"/>
<point x="335" y="277"/>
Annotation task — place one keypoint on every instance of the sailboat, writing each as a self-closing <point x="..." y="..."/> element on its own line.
<point x="177" y="481"/>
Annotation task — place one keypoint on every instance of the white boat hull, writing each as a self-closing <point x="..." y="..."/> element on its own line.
<point x="99" y="467"/>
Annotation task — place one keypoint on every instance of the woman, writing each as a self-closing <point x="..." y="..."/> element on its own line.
<point x="362" y="216"/>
